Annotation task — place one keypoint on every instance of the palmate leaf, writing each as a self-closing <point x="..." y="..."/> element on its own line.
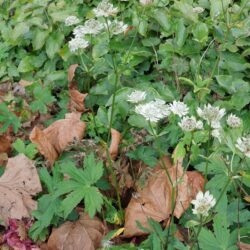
<point x="80" y="186"/>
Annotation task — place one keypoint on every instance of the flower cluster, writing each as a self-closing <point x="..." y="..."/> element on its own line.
<point x="203" y="203"/>
<point x="105" y="9"/>
<point x="233" y="121"/>
<point x="179" y="108"/>
<point x="190" y="124"/>
<point x="94" y="26"/>
<point x="153" y="111"/>
<point x="71" y="20"/>
<point x="243" y="144"/>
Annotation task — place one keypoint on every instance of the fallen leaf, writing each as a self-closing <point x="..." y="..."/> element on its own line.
<point x="71" y="71"/>
<point x="19" y="182"/>
<point x="54" y="139"/>
<point x="114" y="145"/>
<point x="243" y="246"/>
<point x="154" y="199"/>
<point x="76" y="102"/>
<point x="84" y="234"/>
<point x="5" y="144"/>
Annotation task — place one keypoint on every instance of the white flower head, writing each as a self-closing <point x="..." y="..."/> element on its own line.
<point x="146" y="2"/>
<point x="153" y="111"/>
<point x="216" y="133"/>
<point x="233" y="121"/>
<point x="106" y="244"/>
<point x="179" y="108"/>
<point x="137" y="96"/>
<point x="243" y="144"/>
<point x="198" y="10"/>
<point x="91" y="26"/>
<point x="190" y="124"/>
<point x="203" y="203"/>
<point x="212" y="115"/>
<point x="105" y="8"/>
<point x="116" y="27"/>
<point x="77" y="43"/>
<point x="71" y="20"/>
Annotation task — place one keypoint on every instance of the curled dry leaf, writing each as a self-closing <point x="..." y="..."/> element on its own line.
<point x="76" y="102"/>
<point x="18" y="183"/>
<point x="5" y="144"/>
<point x="114" y="146"/>
<point x="54" y="139"/>
<point x="154" y="200"/>
<point x="243" y="246"/>
<point x="84" y="234"/>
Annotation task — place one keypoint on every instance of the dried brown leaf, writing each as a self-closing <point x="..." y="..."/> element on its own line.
<point x="243" y="246"/>
<point x="19" y="182"/>
<point x="54" y="139"/>
<point x="155" y="199"/>
<point x="5" y="144"/>
<point x="115" y="141"/>
<point x="71" y="71"/>
<point x="84" y="234"/>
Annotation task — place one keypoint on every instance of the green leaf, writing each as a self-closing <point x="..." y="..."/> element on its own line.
<point x="161" y="16"/>
<point x="100" y="49"/>
<point x="26" y="64"/>
<point x="93" y="200"/>
<point x="39" y="38"/>
<point x="200" y="32"/>
<point x="53" y="44"/>
<point x="30" y="151"/>
<point x="207" y="241"/>
<point x="8" y="119"/>
<point x="72" y="200"/>
<point x="92" y="171"/>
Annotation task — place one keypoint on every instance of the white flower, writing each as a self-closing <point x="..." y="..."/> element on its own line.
<point x="117" y="27"/>
<point x="203" y="203"/>
<point x="198" y="10"/>
<point x="105" y="8"/>
<point x="179" y="108"/>
<point x="106" y="244"/>
<point x="243" y="144"/>
<point x="233" y="121"/>
<point x="153" y="111"/>
<point x="190" y="123"/>
<point x="137" y="96"/>
<point x="91" y="26"/>
<point x="216" y="133"/>
<point x="212" y="115"/>
<point x="146" y="2"/>
<point x="71" y="20"/>
<point x="77" y="43"/>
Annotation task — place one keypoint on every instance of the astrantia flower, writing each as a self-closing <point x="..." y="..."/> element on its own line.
<point x="77" y="43"/>
<point x="216" y="133"/>
<point x="233" y="121"/>
<point x="198" y="10"/>
<point x="179" y="108"/>
<point x="117" y="27"/>
<point x="137" y="96"/>
<point x="146" y="2"/>
<point x="243" y="144"/>
<point x="203" y="203"/>
<point x="190" y="124"/>
<point x="153" y="111"/>
<point x="212" y="115"/>
<point x="71" y="20"/>
<point x="106" y="244"/>
<point x="91" y="26"/>
<point x="105" y="8"/>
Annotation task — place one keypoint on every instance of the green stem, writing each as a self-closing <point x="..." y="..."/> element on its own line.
<point x="207" y="155"/>
<point x="198" y="232"/>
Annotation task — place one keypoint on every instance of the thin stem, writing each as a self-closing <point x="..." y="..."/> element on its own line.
<point x="207" y="155"/>
<point x="198" y="232"/>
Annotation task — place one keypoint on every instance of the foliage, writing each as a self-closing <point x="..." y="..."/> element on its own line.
<point x="195" y="52"/>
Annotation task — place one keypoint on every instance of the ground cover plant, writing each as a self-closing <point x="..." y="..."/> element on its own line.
<point x="124" y="124"/>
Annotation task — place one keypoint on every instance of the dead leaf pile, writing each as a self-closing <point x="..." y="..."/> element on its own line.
<point x="84" y="234"/>
<point x="54" y="139"/>
<point x="154" y="200"/>
<point x="19" y="182"/>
